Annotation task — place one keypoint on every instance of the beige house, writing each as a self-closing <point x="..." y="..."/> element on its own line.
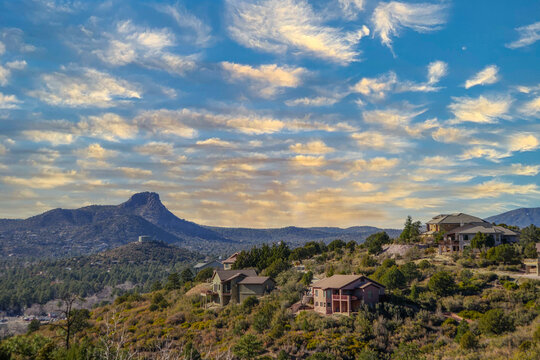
<point x="460" y="228"/>
<point x="236" y="285"/>
<point x="345" y="294"/>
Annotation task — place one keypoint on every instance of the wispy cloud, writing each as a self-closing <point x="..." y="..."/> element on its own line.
<point x="312" y="147"/>
<point x="281" y="26"/>
<point x="146" y="47"/>
<point x="528" y="35"/>
<point x="85" y="88"/>
<point x="8" y="101"/>
<point x="479" y="110"/>
<point x="351" y="8"/>
<point x="489" y="75"/>
<point x="266" y="80"/>
<point x="201" y="33"/>
<point x="390" y="18"/>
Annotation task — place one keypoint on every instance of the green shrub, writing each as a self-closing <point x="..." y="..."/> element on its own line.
<point x="442" y="283"/>
<point x="468" y="341"/>
<point x="248" y="347"/>
<point x="495" y="322"/>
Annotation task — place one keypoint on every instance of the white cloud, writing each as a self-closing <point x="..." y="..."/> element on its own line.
<point x="376" y="87"/>
<point x="399" y="119"/>
<point x="96" y="151"/>
<point x="390" y="18"/>
<point x="155" y="148"/>
<point x="4" y="75"/>
<point x="16" y="65"/>
<point x="201" y="32"/>
<point x="314" y="101"/>
<point x="436" y="71"/>
<point x="365" y="186"/>
<point x="376" y="164"/>
<point x="88" y="88"/>
<point x="8" y="101"/>
<point x="309" y="161"/>
<point x="380" y="141"/>
<point x="51" y="136"/>
<point x="448" y="135"/>
<point x="530" y="108"/>
<point x="486" y="76"/>
<point x="479" y="110"/>
<point x="215" y="142"/>
<point x="184" y="122"/>
<point x="266" y="79"/>
<point x="2" y="48"/>
<point x="47" y="179"/>
<point x="290" y="25"/>
<point x="3" y="150"/>
<point x="135" y="172"/>
<point x="528" y="35"/>
<point x="145" y="47"/>
<point x="108" y="126"/>
<point x="351" y="8"/>
<point x="523" y="142"/>
<point x="494" y="189"/>
<point x="312" y="147"/>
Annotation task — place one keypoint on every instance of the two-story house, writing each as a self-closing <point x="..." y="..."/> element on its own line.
<point x="228" y="262"/>
<point x="236" y="285"/>
<point x="459" y="229"/>
<point x="345" y="294"/>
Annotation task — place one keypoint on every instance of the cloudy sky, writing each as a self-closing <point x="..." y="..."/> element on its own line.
<point x="267" y="113"/>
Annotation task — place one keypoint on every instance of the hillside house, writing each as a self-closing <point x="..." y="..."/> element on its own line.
<point x="459" y="229"/>
<point x="228" y="262"/>
<point x="236" y="285"/>
<point x="345" y="294"/>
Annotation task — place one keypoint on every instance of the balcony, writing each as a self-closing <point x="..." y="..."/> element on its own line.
<point x="343" y="297"/>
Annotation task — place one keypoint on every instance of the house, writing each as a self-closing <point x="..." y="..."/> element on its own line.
<point x="344" y="294"/>
<point x="458" y="230"/>
<point x="214" y="264"/>
<point x="228" y="262"/>
<point x="236" y="285"/>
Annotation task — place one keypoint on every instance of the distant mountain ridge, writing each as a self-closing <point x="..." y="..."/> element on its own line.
<point x="522" y="217"/>
<point x="95" y="228"/>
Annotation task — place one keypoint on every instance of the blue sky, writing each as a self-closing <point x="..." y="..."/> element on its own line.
<point x="270" y="113"/>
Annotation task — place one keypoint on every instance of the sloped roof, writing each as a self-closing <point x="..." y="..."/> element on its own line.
<point x="340" y="281"/>
<point x="456" y="218"/>
<point x="482" y="227"/>
<point x="225" y="275"/>
<point x="255" y="280"/>
<point x="231" y="259"/>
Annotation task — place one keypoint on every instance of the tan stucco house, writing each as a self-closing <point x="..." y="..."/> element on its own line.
<point x="345" y="294"/>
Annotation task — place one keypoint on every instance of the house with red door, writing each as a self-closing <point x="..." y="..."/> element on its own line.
<point x="345" y="294"/>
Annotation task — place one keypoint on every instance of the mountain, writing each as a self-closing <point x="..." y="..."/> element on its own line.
<point x="91" y="229"/>
<point x="522" y="217"/>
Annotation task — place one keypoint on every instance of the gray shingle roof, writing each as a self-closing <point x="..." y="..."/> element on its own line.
<point x="340" y="281"/>
<point x="225" y="275"/>
<point x="254" y="280"/>
<point x="482" y="227"/>
<point x="457" y="218"/>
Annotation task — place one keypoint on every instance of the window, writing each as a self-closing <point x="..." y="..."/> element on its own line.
<point x="328" y="305"/>
<point x="316" y="292"/>
<point x="316" y="303"/>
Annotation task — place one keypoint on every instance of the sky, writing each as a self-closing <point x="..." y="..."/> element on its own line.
<point x="270" y="113"/>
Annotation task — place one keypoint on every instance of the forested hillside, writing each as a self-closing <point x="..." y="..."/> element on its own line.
<point x="136" y="265"/>
<point x="473" y="306"/>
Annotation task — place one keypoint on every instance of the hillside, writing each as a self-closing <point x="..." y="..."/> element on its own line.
<point x="434" y="308"/>
<point x="135" y="265"/>
<point x="90" y="229"/>
<point x="522" y="217"/>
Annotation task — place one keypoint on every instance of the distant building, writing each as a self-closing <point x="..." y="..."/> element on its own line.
<point x="345" y="294"/>
<point x="145" y="238"/>
<point x="458" y="230"/>
<point x="228" y="262"/>
<point x="532" y="266"/>
<point x="236" y="285"/>
<point x="214" y="264"/>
